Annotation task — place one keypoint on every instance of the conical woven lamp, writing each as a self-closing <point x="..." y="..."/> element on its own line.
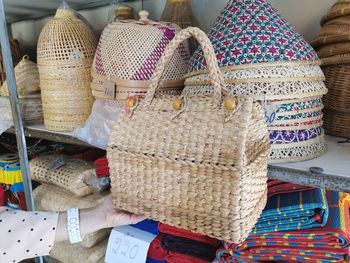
<point x="65" y="52"/>
<point x="263" y="57"/>
<point x="27" y="78"/>
<point x="333" y="46"/>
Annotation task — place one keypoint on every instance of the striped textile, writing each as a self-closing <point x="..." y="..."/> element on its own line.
<point x="323" y="244"/>
<point x="279" y="187"/>
<point x="293" y="211"/>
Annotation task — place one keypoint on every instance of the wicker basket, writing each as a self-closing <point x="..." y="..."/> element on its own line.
<point x="65" y="52"/>
<point x="123" y="70"/>
<point x="193" y="164"/>
<point x="27" y="79"/>
<point x="67" y="253"/>
<point x="53" y="198"/>
<point x="124" y="12"/>
<point x="16" y="57"/>
<point x="337" y="123"/>
<point x="339" y="9"/>
<point x="71" y="175"/>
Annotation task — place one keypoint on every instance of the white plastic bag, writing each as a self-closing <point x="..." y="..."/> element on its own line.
<point x="6" y="121"/>
<point x="98" y="126"/>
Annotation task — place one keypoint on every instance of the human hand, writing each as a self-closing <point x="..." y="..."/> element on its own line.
<point x="114" y="217"/>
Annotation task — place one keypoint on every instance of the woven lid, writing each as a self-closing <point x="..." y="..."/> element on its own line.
<point x="130" y="50"/>
<point x="27" y="78"/>
<point x="252" y="31"/>
<point x="340" y="8"/>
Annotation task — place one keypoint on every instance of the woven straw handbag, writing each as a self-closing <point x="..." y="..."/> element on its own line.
<point x="66" y="48"/>
<point x="198" y="163"/>
<point x="27" y="78"/>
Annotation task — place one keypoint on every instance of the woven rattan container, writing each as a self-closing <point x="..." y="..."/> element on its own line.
<point x="193" y="161"/>
<point x="27" y="79"/>
<point x="66" y="172"/>
<point x="123" y="66"/>
<point x="265" y="59"/>
<point x="333" y="46"/>
<point x="124" y="12"/>
<point x="65" y="52"/>
<point x="16" y="57"/>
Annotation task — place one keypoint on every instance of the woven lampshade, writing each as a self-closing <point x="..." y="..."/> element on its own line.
<point x="27" y="79"/>
<point x="123" y="66"/>
<point x="65" y="52"/>
<point x="263" y="57"/>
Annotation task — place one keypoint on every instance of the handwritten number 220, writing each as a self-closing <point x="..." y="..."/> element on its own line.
<point x="125" y="248"/>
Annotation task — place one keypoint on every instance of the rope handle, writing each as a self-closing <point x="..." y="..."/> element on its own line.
<point x="215" y="74"/>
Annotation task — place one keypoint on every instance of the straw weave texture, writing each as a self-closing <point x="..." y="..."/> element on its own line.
<point x="65" y="52"/>
<point x="71" y="176"/>
<point x="27" y="79"/>
<point x="16" y="57"/>
<point x="200" y="168"/>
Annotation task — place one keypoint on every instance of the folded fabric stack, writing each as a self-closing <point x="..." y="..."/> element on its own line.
<point x="279" y="187"/>
<point x="292" y="211"/>
<point x="184" y="246"/>
<point x="333" y="47"/>
<point x="322" y="244"/>
<point x="101" y="166"/>
<point x="263" y="57"/>
<point x="66" y="182"/>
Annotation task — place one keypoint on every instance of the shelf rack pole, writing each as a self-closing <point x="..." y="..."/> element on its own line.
<point x="16" y="112"/>
<point x="16" y="108"/>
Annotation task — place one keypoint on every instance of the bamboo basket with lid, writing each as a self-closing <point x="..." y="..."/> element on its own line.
<point x="123" y="67"/>
<point x="65" y="52"/>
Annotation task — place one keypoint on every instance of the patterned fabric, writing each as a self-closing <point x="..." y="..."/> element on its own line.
<point x="252" y="31"/>
<point x="279" y="187"/>
<point x="293" y="211"/>
<point x="325" y="244"/>
<point x="303" y="105"/>
<point x="285" y="137"/>
<point x="11" y="173"/>
<point x="300" y="116"/>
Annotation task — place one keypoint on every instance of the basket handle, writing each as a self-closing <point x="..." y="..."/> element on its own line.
<point x="215" y="74"/>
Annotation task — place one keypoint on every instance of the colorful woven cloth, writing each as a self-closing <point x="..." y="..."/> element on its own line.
<point x="101" y="166"/>
<point x="324" y="244"/>
<point x="279" y="187"/>
<point x="151" y="260"/>
<point x="189" y="247"/>
<point x="180" y="258"/>
<point x="293" y="211"/>
<point x="11" y="174"/>
<point x="156" y="251"/>
<point x="175" y="231"/>
<point x="252" y="31"/>
<point x="148" y="225"/>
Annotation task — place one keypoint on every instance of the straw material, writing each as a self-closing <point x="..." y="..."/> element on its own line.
<point x="334" y="49"/>
<point x="200" y="167"/>
<point x="123" y="70"/>
<point x="71" y="176"/>
<point x="49" y="197"/>
<point x="296" y="152"/>
<point x="16" y="57"/>
<point x="27" y="79"/>
<point x="338" y="82"/>
<point x="124" y="12"/>
<point x="65" y="52"/>
<point x="337" y="123"/>
<point x="67" y="253"/>
<point x="340" y="8"/>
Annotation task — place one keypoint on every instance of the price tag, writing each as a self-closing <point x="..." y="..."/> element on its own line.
<point x="59" y="162"/>
<point x="109" y="87"/>
<point x="270" y="113"/>
<point x="128" y="245"/>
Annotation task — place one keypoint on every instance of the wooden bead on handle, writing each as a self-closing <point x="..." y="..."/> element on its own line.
<point x="130" y="103"/>
<point x="177" y="104"/>
<point x="230" y="104"/>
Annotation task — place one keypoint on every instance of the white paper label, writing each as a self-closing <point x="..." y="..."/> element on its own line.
<point x="127" y="244"/>
<point x="109" y="87"/>
<point x="270" y="113"/>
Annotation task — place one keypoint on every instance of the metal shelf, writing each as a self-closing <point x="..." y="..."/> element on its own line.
<point x="39" y="131"/>
<point x="335" y="165"/>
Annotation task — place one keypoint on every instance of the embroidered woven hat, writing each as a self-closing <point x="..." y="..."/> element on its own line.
<point x="128" y="53"/>
<point x="260" y="53"/>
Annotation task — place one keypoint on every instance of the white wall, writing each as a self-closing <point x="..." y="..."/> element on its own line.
<point x="304" y="15"/>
